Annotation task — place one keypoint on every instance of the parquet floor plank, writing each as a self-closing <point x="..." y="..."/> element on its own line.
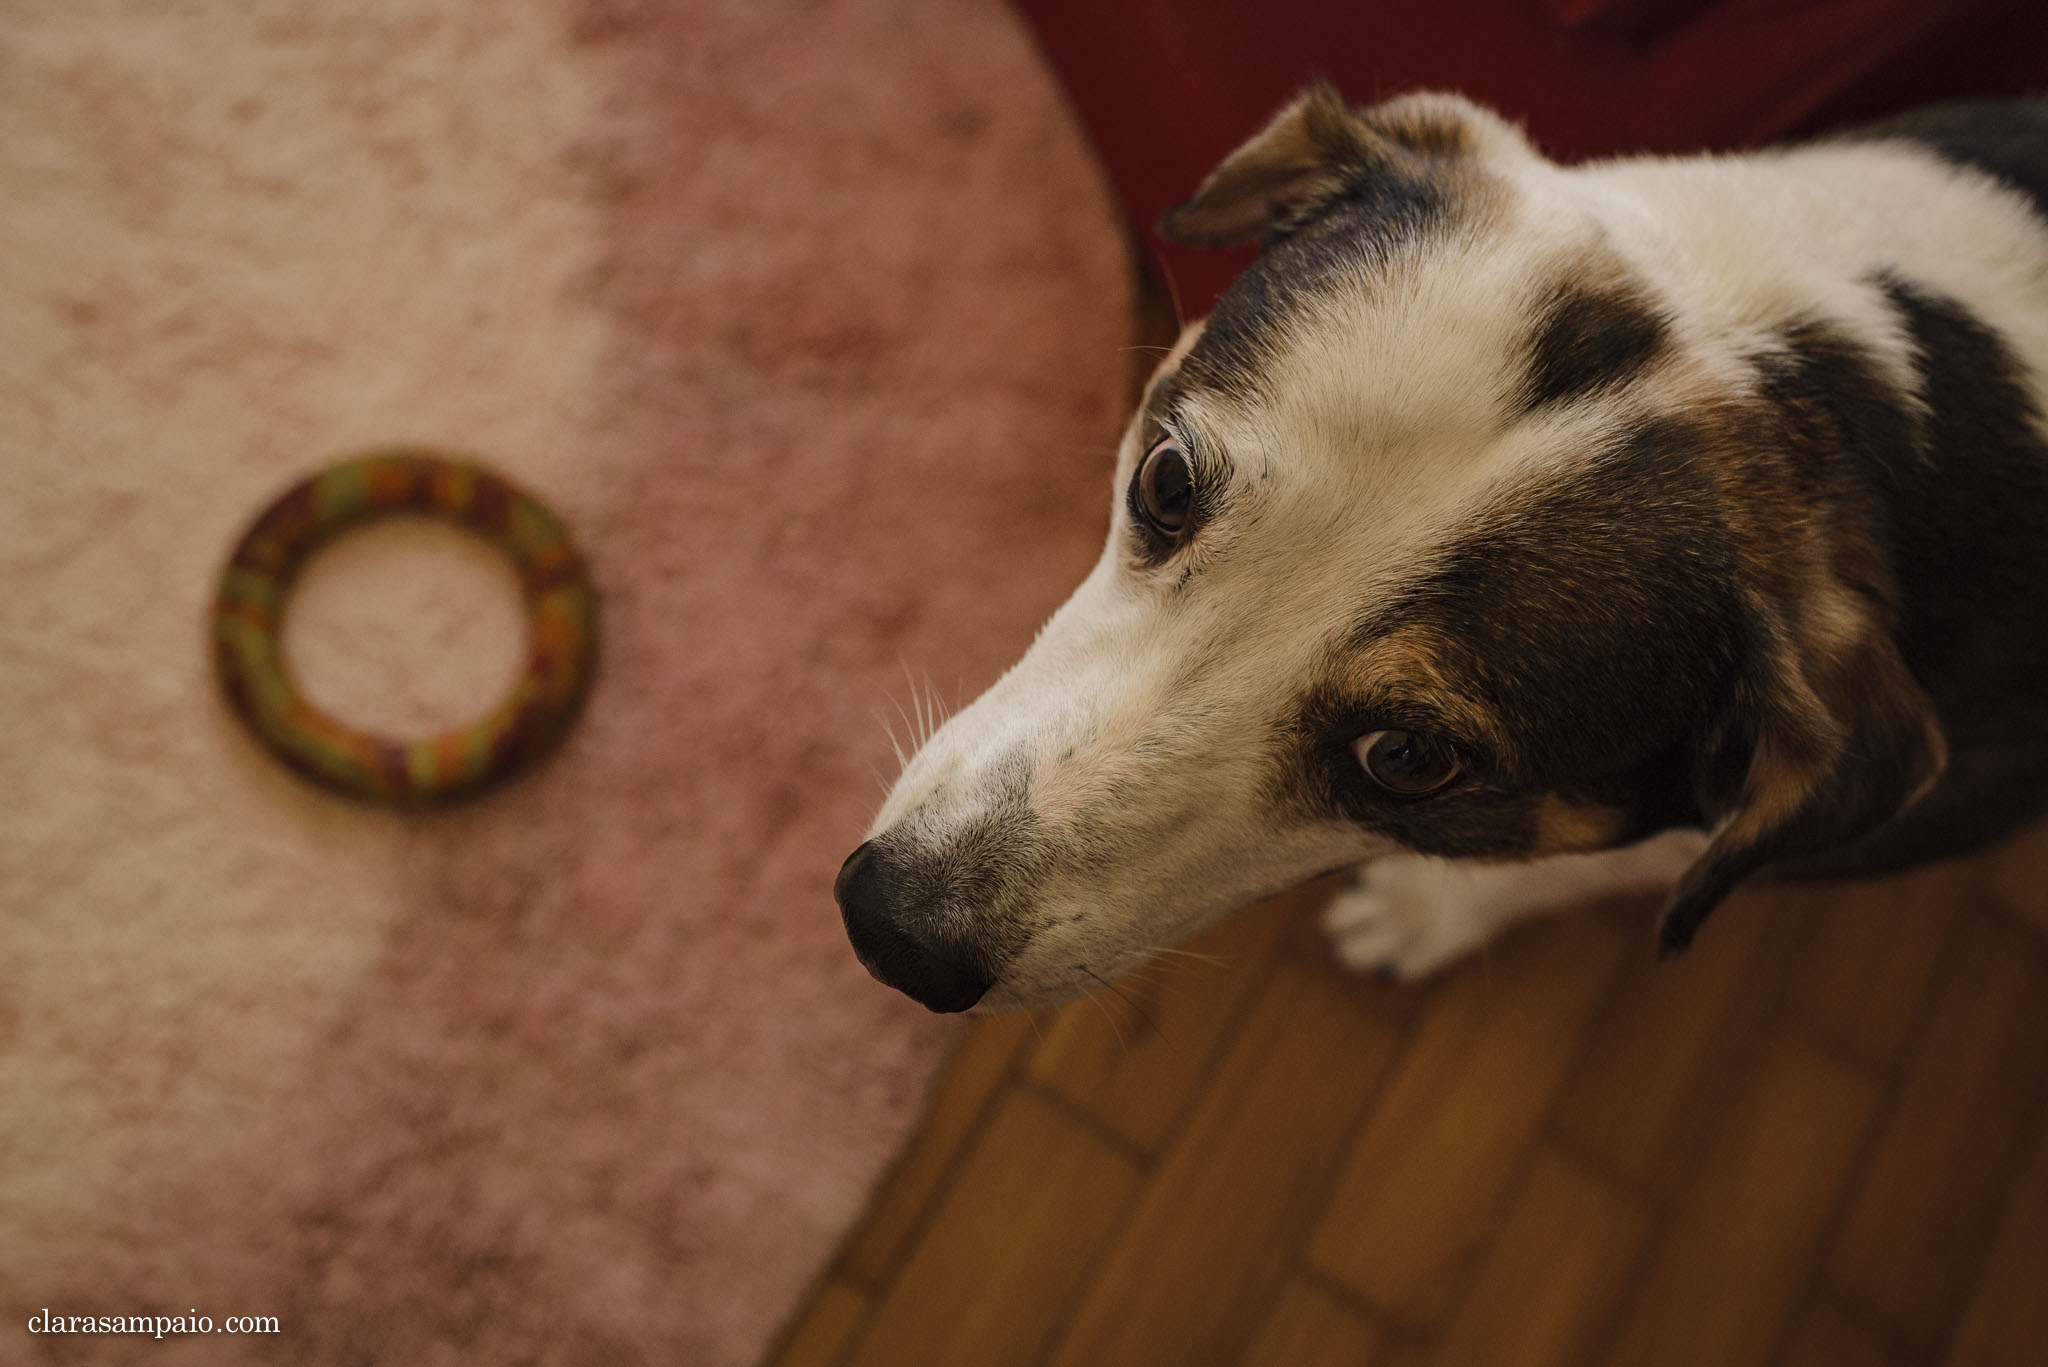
<point x="1427" y="1177"/>
<point x="1011" y="1246"/>
<point x="960" y="1097"/>
<point x="1209" y="1246"/>
<point x="1821" y="1140"/>
<point x="1730" y="1264"/>
<point x="822" y="1334"/>
<point x="1829" y="1336"/>
<point x="1871" y="954"/>
<point x="1309" y="1327"/>
<point x="2006" y="1321"/>
<point x="1927" y="1202"/>
<point x="1553" y="1273"/>
<point x="1133" y="1057"/>
<point x="1647" y="1078"/>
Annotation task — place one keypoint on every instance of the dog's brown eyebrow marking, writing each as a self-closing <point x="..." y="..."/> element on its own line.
<point x="1590" y="338"/>
<point x="1417" y="659"/>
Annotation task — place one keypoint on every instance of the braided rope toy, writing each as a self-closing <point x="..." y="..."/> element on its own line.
<point x="561" y="611"/>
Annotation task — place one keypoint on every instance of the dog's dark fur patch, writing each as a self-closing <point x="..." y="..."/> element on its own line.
<point x="1648" y="565"/>
<point x="1843" y="435"/>
<point x="1684" y="566"/>
<point x="1930" y="512"/>
<point x="1844" y="417"/>
<point x="1959" y="521"/>
<point x="1589" y="339"/>
<point x="1622" y="566"/>
<point x="1477" y="815"/>
<point x="2006" y="139"/>
<point x="1381" y="211"/>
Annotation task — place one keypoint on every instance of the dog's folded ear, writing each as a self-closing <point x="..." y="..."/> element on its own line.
<point x="1295" y="161"/>
<point x="1317" y="147"/>
<point x="1814" y="756"/>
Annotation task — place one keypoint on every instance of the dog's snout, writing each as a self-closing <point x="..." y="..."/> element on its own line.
<point x="872" y="903"/>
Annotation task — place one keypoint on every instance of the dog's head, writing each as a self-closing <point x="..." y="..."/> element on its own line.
<point x="1458" y="528"/>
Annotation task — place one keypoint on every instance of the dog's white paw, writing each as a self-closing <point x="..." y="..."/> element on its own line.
<point x="1410" y="916"/>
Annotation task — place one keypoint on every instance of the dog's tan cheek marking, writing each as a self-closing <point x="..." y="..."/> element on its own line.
<point x="1565" y="827"/>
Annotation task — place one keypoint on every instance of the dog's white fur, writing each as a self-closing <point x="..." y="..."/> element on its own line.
<point x="1131" y="715"/>
<point x="1411" y="914"/>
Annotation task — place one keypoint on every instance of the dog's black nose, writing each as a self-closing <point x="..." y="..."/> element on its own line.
<point x="872" y="903"/>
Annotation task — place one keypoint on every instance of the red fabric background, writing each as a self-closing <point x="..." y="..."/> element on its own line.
<point x="1167" y="87"/>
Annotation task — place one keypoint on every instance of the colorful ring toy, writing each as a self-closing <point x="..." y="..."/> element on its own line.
<point x="561" y="614"/>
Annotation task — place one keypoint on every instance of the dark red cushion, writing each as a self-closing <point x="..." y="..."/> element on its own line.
<point x="1167" y="87"/>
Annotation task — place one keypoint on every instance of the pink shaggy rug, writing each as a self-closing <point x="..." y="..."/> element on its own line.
<point x="808" y="318"/>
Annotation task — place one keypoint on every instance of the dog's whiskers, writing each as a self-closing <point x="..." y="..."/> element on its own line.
<point x="1168" y="951"/>
<point x="913" y="717"/>
<point x="880" y="781"/>
<point x="936" y="713"/>
<point x="930" y="710"/>
<point x="924" y="728"/>
<point x="889" y="729"/>
<point x="1150" y="971"/>
<point x="1180" y="314"/>
<point x="1093" y="1000"/>
<point x="1126" y="998"/>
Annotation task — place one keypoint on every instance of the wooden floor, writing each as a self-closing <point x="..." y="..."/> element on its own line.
<point x="1818" y="1141"/>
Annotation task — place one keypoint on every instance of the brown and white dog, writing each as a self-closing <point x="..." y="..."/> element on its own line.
<point x="1519" y="532"/>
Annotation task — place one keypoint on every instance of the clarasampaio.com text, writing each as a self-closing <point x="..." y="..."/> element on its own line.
<point x="43" y="1322"/>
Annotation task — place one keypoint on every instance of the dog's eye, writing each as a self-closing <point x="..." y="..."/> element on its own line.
<point x="1406" y="763"/>
<point x="1165" y="490"/>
